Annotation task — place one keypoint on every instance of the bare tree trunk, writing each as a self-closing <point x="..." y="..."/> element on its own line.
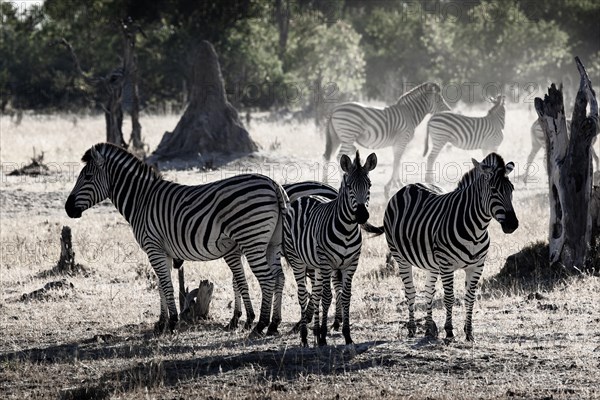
<point x="595" y="212"/>
<point x="569" y="170"/>
<point x="282" y="14"/>
<point x="66" y="262"/>
<point x="111" y="86"/>
<point x="130" y="31"/>
<point x="210" y="125"/>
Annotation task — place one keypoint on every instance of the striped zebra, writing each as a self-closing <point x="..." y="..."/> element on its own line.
<point x="376" y="128"/>
<point x="538" y="140"/>
<point x="294" y="191"/>
<point x="464" y="132"/>
<point x="228" y="218"/>
<point x="441" y="233"/>
<point x="326" y="236"/>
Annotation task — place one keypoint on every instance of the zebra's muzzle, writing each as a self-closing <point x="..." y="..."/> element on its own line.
<point x="362" y="214"/>
<point x="71" y="209"/>
<point x="510" y="222"/>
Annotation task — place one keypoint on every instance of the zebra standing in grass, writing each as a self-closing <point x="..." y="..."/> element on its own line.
<point x="326" y="236"/>
<point x="464" y="132"/>
<point x="294" y="191"/>
<point x="538" y="140"/>
<point x="376" y="128"/>
<point x="228" y="218"/>
<point x="441" y="233"/>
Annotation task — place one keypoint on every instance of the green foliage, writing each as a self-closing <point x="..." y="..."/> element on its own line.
<point x="393" y="50"/>
<point x="353" y="47"/>
<point x="326" y="62"/>
<point x="496" y="43"/>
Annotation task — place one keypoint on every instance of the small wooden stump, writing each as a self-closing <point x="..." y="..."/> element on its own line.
<point x="66" y="263"/>
<point x="197" y="302"/>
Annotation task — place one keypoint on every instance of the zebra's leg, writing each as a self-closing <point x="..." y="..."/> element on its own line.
<point x="435" y="151"/>
<point x="309" y="306"/>
<point x="259" y="264"/>
<point x="472" y="275"/>
<point x="448" y="284"/>
<point x="275" y="261"/>
<point x="339" y="311"/>
<point x="300" y="272"/>
<point x="317" y="291"/>
<point x="240" y="289"/>
<point x="325" y="302"/>
<point x="398" y="149"/>
<point x="237" y="308"/>
<point x="168" y="310"/>
<point x="431" y="329"/>
<point x="409" y="290"/>
<point x="535" y="147"/>
<point x="346" y="296"/>
<point x="348" y="149"/>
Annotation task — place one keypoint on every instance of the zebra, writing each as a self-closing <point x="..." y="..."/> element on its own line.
<point x="227" y="218"/>
<point x="326" y="236"/>
<point x="464" y="132"/>
<point x="376" y="128"/>
<point x="294" y="191"/>
<point x="538" y="140"/>
<point x="441" y="233"/>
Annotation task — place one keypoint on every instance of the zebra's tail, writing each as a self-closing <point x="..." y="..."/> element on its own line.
<point x="376" y="230"/>
<point x="426" y="142"/>
<point x="329" y="130"/>
<point x="283" y="201"/>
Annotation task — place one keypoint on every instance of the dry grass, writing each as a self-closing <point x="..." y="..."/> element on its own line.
<point x="95" y="340"/>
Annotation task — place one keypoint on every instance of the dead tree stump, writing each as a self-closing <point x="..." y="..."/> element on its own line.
<point x="66" y="262"/>
<point x="197" y="302"/>
<point x="595" y="213"/>
<point x="210" y="125"/>
<point x="569" y="170"/>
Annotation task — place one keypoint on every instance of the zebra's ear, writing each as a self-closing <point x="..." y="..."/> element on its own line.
<point x="345" y="163"/>
<point x="509" y="167"/>
<point x="371" y="162"/>
<point x="97" y="157"/>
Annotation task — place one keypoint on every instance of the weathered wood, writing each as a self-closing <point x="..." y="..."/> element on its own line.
<point x="595" y="212"/>
<point x="569" y="168"/>
<point x="197" y="302"/>
<point x="210" y="125"/>
<point x="66" y="262"/>
<point x="130" y="31"/>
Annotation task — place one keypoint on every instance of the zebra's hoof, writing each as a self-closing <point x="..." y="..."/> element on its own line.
<point x="272" y="332"/>
<point x="232" y="325"/>
<point x="255" y="335"/>
<point x="159" y="328"/>
<point x="470" y="337"/>
<point x="335" y="326"/>
<point x="432" y="330"/>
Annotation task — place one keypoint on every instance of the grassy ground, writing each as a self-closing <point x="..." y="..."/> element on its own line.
<point x="95" y="340"/>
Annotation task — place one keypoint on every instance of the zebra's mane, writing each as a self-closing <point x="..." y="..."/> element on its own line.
<point x="493" y="160"/>
<point x="416" y="90"/>
<point x="111" y="152"/>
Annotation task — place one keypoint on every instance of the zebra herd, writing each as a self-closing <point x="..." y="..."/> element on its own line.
<point x="315" y="228"/>
<point x="318" y="233"/>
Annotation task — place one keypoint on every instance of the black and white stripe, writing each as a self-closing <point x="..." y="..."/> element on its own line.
<point x="464" y="132"/>
<point x="376" y="128"/>
<point x="326" y="236"/>
<point x="441" y="233"/>
<point x="228" y="218"/>
<point x="538" y="141"/>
